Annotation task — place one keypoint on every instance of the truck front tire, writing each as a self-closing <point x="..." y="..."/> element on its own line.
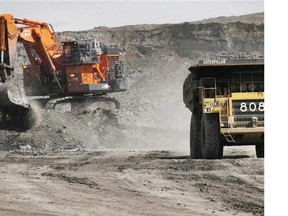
<point x="259" y="150"/>
<point x="195" y="136"/>
<point x="210" y="137"/>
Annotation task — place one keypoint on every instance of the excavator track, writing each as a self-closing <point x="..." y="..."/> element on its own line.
<point x="85" y="102"/>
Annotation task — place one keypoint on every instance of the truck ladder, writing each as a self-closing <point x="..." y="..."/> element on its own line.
<point x="224" y="115"/>
<point x="229" y="138"/>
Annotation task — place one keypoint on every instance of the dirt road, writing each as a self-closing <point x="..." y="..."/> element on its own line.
<point x="131" y="183"/>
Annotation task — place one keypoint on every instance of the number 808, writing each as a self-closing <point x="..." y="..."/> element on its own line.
<point x="252" y="107"/>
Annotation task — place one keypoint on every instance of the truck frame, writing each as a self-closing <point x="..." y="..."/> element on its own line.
<point x="226" y="98"/>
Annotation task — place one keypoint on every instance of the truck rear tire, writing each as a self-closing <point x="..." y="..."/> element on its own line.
<point x="210" y="137"/>
<point x="259" y="150"/>
<point x="195" y="136"/>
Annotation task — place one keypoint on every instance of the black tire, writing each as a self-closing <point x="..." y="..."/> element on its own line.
<point x="221" y="150"/>
<point x="210" y="137"/>
<point x="195" y="136"/>
<point x="259" y="150"/>
<point x="21" y="119"/>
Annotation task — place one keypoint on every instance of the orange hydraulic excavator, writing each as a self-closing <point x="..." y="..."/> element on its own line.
<point x="59" y="71"/>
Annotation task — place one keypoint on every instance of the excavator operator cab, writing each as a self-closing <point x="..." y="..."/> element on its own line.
<point x="71" y="53"/>
<point x="84" y="51"/>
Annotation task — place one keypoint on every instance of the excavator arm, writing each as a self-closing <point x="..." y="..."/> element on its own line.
<point x="11" y="93"/>
<point x="8" y="39"/>
<point x="41" y="37"/>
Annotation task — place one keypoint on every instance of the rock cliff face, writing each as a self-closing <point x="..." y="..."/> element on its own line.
<point x="193" y="40"/>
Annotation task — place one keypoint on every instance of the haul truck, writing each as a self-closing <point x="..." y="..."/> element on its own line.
<point x="226" y="98"/>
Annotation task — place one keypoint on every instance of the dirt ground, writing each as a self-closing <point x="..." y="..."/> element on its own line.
<point x="131" y="183"/>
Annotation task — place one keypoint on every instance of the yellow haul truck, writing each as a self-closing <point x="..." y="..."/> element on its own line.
<point x="226" y="98"/>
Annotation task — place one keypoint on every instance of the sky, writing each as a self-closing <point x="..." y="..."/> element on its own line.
<point x="84" y="15"/>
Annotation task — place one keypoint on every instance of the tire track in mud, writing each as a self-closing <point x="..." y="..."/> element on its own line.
<point x="237" y="183"/>
<point x="72" y="179"/>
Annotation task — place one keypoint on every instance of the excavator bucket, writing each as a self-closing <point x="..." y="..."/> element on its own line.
<point x="15" y="113"/>
<point x="12" y="94"/>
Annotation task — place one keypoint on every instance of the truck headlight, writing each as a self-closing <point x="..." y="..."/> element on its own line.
<point x="206" y="110"/>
